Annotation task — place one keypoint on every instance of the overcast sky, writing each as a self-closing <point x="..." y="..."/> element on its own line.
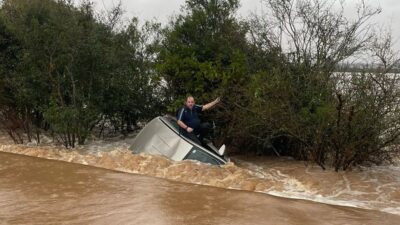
<point x="161" y="10"/>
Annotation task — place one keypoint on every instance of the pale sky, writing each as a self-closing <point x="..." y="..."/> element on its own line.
<point x="161" y="10"/>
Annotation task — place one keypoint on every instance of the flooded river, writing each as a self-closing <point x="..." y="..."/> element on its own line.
<point x="34" y="190"/>
<point x="40" y="191"/>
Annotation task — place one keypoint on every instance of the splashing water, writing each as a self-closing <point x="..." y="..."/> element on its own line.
<point x="376" y="188"/>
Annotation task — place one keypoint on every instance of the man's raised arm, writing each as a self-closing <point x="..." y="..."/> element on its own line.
<point x="211" y="104"/>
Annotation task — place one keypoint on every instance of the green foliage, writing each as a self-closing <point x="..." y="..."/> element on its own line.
<point x="299" y="106"/>
<point x="9" y="54"/>
<point x="85" y="68"/>
<point x="203" y="51"/>
<point x="69" y="123"/>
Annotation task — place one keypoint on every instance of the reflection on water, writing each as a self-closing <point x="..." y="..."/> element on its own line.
<point x="39" y="191"/>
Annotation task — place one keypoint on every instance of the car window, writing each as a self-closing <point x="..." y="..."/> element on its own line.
<point x="173" y="122"/>
<point x="202" y="156"/>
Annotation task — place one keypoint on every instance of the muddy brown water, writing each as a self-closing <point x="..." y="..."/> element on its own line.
<point x="86" y="186"/>
<point x="41" y="191"/>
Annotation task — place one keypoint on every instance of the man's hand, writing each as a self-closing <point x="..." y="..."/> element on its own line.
<point x="217" y="100"/>
<point x="189" y="129"/>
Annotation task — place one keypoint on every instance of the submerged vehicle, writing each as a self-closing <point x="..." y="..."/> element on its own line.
<point x="162" y="137"/>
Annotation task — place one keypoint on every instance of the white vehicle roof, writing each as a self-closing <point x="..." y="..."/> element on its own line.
<point x="161" y="137"/>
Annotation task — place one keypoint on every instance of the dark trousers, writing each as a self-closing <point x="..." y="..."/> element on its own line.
<point x="198" y="134"/>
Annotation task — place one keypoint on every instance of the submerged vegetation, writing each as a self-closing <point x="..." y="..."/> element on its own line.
<point x="66" y="70"/>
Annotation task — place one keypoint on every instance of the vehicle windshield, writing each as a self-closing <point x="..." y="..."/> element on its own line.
<point x="172" y="122"/>
<point x="202" y="156"/>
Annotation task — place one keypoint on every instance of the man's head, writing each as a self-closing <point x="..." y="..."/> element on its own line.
<point x="189" y="102"/>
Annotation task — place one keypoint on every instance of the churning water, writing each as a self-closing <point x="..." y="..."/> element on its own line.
<point x="376" y="188"/>
<point x="40" y="191"/>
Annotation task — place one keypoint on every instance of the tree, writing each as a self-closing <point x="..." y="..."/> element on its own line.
<point x="303" y="107"/>
<point x="9" y="55"/>
<point x="130" y="93"/>
<point x="203" y="52"/>
<point x="75" y="69"/>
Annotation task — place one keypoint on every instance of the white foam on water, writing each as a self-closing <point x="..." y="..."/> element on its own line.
<point x="318" y="198"/>
<point x="347" y="193"/>
<point x="270" y="180"/>
<point x="392" y="210"/>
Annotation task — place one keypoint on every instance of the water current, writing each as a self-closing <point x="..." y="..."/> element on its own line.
<point x="47" y="191"/>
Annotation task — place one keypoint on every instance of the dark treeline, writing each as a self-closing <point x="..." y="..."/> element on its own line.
<point x="66" y="70"/>
<point x="365" y="67"/>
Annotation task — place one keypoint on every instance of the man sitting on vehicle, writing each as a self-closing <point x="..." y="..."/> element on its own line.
<point x="189" y="121"/>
